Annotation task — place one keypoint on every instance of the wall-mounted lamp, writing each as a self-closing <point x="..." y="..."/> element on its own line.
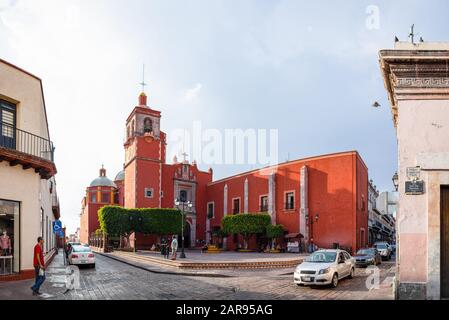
<point x="395" y="180"/>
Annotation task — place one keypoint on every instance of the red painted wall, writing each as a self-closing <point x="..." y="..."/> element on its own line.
<point x="336" y="184"/>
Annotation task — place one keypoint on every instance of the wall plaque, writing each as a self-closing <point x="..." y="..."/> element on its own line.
<point x="414" y="187"/>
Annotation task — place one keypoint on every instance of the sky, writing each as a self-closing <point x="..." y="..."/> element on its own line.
<point x="306" y="68"/>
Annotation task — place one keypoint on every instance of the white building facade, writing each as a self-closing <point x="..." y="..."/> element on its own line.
<point x="28" y="199"/>
<point x="416" y="77"/>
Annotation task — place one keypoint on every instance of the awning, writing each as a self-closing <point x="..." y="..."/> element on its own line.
<point x="294" y="235"/>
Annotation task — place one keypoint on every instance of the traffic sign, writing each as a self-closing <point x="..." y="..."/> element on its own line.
<point x="57" y="226"/>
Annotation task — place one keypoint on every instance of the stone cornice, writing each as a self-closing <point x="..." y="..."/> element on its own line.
<point x="414" y="75"/>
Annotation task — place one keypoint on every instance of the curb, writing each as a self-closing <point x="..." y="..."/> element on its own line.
<point x="206" y="275"/>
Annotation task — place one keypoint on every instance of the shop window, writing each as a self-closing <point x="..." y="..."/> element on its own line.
<point x="9" y="237"/>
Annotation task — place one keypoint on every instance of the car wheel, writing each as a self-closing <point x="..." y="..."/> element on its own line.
<point x="299" y="285"/>
<point x="351" y="275"/>
<point x="334" y="283"/>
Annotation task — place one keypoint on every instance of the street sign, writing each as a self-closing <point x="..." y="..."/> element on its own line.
<point x="413" y="173"/>
<point x="414" y="187"/>
<point x="57" y="226"/>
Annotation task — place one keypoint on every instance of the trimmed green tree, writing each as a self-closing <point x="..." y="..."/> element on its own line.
<point x="246" y="224"/>
<point x="274" y="232"/>
<point x="118" y="221"/>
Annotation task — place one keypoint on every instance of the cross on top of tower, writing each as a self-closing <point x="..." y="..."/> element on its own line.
<point x="184" y="154"/>
<point x="412" y="33"/>
<point x="143" y="83"/>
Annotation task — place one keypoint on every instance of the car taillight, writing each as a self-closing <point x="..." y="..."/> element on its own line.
<point x="91" y="255"/>
<point x="75" y="256"/>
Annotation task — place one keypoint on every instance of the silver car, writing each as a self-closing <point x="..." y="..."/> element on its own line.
<point x="325" y="267"/>
<point x="384" y="250"/>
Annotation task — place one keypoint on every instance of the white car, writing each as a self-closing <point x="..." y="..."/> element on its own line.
<point x="325" y="267"/>
<point x="384" y="250"/>
<point x="82" y="255"/>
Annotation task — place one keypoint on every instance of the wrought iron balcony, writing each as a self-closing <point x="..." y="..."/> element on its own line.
<point x="263" y="208"/>
<point x="20" y="147"/>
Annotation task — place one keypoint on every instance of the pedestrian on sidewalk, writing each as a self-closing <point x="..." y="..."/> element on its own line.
<point x="167" y="249"/>
<point x="39" y="266"/>
<point x="174" y="247"/>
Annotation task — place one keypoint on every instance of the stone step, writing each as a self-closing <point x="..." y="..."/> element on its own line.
<point x="212" y="265"/>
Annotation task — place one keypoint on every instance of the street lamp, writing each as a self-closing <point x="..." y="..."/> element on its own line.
<point x="190" y="205"/>
<point x="395" y="180"/>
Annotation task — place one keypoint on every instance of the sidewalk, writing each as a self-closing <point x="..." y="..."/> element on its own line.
<point x="54" y="283"/>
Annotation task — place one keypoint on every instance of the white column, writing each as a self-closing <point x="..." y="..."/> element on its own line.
<point x="245" y="201"/>
<point x="225" y="211"/>
<point x="272" y="197"/>
<point x="304" y="208"/>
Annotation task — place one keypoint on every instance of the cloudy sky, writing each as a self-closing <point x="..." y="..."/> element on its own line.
<point x="308" y="69"/>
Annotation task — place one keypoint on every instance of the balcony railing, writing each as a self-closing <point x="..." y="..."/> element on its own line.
<point x="25" y="142"/>
<point x="263" y="208"/>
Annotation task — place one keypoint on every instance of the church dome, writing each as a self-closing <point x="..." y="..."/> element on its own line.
<point x="120" y="176"/>
<point x="102" y="180"/>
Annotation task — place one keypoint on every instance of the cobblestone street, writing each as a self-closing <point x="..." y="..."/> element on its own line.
<point x="115" y="280"/>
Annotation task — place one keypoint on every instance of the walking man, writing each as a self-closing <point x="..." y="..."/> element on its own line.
<point x="39" y="266"/>
<point x="174" y="247"/>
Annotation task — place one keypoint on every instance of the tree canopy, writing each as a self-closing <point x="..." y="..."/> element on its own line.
<point x="115" y="220"/>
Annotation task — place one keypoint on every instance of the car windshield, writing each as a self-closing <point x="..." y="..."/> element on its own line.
<point x="365" y="251"/>
<point x="381" y="246"/>
<point x="322" y="256"/>
<point x="81" y="249"/>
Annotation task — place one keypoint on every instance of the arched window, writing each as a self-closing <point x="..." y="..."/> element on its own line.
<point x="147" y="125"/>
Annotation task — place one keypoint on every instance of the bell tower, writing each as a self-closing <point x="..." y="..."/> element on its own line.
<point x="145" y="146"/>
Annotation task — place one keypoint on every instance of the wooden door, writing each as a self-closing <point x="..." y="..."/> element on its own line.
<point x="444" y="242"/>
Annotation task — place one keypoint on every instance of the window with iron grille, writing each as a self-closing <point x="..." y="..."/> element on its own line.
<point x="210" y="210"/>
<point x="264" y="204"/>
<point x="236" y="206"/>
<point x="290" y="200"/>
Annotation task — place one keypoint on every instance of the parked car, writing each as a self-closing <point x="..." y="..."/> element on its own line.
<point x="81" y="255"/>
<point x="384" y="250"/>
<point x="367" y="257"/>
<point x="325" y="267"/>
<point x="393" y="248"/>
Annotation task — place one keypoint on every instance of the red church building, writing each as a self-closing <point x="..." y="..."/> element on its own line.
<point x="321" y="199"/>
